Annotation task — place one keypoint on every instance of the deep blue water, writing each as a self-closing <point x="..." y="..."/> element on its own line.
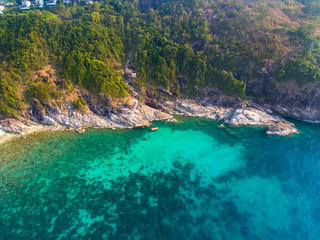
<point x="189" y="180"/>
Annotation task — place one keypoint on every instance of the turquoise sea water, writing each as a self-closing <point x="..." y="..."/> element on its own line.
<point x="190" y="180"/>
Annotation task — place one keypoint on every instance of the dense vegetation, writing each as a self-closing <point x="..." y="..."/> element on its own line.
<point x="182" y="46"/>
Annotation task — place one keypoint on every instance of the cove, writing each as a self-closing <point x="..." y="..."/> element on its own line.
<point x="188" y="180"/>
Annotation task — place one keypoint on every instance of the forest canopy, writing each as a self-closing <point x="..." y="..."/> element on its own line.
<point x="209" y="44"/>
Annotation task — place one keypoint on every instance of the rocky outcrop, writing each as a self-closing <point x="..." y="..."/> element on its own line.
<point x="193" y="109"/>
<point x="251" y="116"/>
<point x="233" y="113"/>
<point x="15" y="126"/>
<point x="52" y="115"/>
<point x="239" y="114"/>
<point x="289" y="101"/>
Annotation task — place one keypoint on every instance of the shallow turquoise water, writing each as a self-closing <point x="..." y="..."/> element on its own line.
<point x="190" y="180"/>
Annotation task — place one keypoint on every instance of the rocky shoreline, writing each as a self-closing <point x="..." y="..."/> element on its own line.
<point x="238" y="115"/>
<point x="54" y="118"/>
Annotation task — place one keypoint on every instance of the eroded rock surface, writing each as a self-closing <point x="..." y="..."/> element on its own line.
<point x="252" y="116"/>
<point x="232" y="113"/>
<point x="53" y="116"/>
<point x="240" y="114"/>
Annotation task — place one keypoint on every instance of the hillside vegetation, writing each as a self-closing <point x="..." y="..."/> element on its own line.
<point x="182" y="46"/>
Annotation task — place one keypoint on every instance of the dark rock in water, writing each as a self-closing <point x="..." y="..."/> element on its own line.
<point x="139" y="127"/>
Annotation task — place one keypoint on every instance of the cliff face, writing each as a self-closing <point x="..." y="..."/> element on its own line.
<point x="237" y="114"/>
<point x="303" y="105"/>
<point x="233" y="113"/>
<point x="289" y="101"/>
<point x="100" y="117"/>
<point x="265" y="109"/>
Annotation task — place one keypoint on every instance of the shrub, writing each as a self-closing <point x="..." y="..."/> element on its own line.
<point x="40" y="91"/>
<point x="79" y="104"/>
<point x="9" y="103"/>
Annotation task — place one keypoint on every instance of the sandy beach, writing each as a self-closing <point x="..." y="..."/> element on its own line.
<point x="5" y="136"/>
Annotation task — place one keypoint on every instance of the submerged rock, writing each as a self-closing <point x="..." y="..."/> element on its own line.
<point x="171" y="120"/>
